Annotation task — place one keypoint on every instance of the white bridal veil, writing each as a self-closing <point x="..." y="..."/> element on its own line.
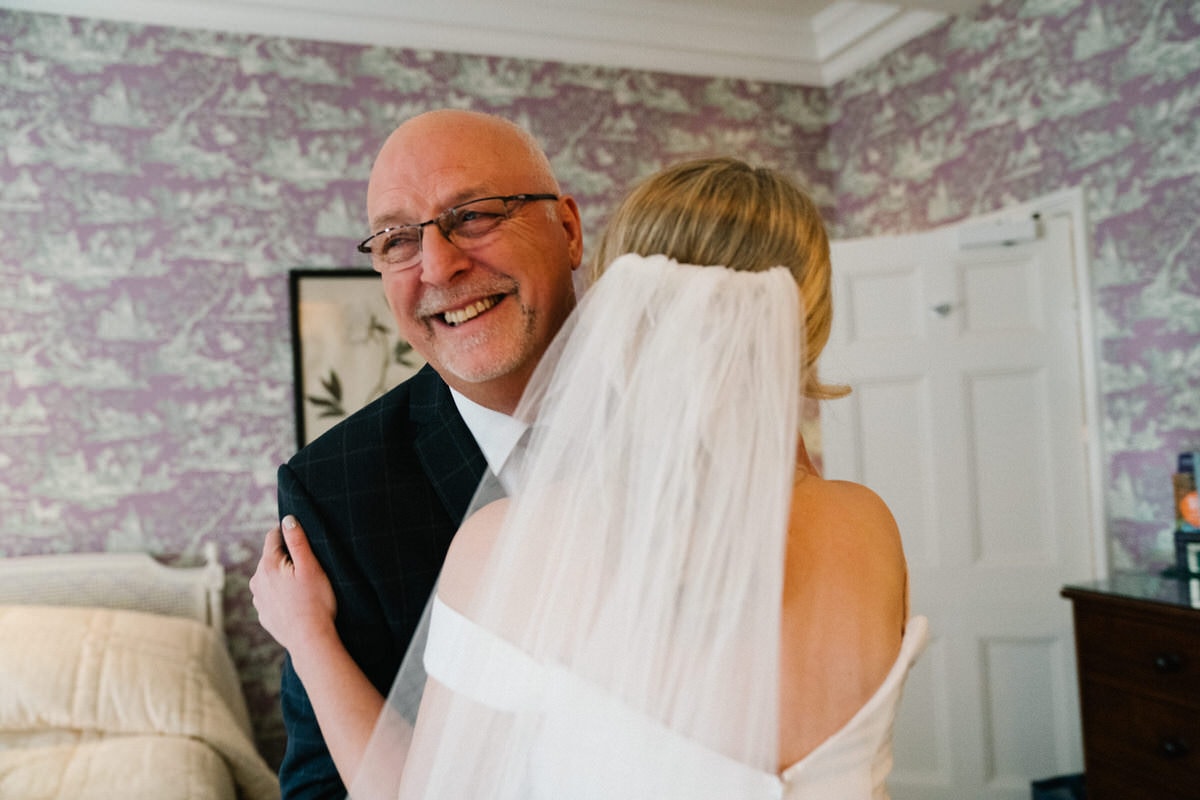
<point x="619" y="635"/>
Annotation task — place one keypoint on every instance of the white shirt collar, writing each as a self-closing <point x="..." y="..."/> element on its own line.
<point x="495" y="433"/>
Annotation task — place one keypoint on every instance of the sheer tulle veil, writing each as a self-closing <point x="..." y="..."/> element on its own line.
<point x="639" y="563"/>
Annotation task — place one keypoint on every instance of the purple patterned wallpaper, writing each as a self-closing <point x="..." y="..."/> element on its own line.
<point x="157" y="184"/>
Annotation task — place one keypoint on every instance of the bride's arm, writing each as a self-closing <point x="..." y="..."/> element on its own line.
<point x="845" y="606"/>
<point x="296" y="605"/>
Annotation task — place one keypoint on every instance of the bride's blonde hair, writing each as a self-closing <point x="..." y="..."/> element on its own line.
<point x="723" y="212"/>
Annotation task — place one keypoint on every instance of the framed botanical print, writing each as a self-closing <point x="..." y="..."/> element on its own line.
<point x="346" y="350"/>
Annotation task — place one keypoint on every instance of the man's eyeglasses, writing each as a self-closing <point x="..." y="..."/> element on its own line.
<point x="399" y="246"/>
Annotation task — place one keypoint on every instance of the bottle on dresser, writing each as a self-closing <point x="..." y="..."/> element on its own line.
<point x="1187" y="514"/>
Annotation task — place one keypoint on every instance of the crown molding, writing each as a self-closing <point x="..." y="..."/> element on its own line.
<point x="762" y="42"/>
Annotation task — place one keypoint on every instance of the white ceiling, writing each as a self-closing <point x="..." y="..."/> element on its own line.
<point x="810" y="42"/>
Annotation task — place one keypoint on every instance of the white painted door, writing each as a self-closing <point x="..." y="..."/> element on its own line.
<point x="968" y="417"/>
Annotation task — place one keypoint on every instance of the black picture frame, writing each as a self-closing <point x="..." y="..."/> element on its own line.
<point x="346" y="349"/>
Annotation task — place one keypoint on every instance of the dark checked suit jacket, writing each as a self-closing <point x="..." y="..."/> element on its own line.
<point x="380" y="496"/>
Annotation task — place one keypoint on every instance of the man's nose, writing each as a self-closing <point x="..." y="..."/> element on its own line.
<point x="441" y="259"/>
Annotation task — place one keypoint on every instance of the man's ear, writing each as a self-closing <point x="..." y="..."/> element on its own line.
<point x="568" y="213"/>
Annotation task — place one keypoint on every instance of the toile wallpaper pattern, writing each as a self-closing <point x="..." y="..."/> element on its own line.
<point x="1027" y="98"/>
<point x="157" y="184"/>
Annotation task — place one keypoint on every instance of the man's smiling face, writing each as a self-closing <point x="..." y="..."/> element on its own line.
<point x="481" y="312"/>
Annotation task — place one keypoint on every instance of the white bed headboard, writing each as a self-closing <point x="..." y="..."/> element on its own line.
<point x="133" y="581"/>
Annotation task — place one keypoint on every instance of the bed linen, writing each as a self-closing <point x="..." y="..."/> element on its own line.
<point x="101" y="703"/>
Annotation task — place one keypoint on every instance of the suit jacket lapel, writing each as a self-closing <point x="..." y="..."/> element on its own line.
<point x="449" y="455"/>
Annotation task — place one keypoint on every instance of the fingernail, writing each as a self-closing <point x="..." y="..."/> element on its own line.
<point x="289" y="522"/>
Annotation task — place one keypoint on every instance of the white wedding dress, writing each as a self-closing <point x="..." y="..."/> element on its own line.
<point x="590" y="740"/>
<point x="619" y="635"/>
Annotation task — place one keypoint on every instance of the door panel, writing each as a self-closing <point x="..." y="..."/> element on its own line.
<point x="967" y="417"/>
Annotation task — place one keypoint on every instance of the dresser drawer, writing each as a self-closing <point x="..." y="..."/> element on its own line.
<point x="1106" y="781"/>
<point x="1140" y="652"/>
<point x="1146" y="736"/>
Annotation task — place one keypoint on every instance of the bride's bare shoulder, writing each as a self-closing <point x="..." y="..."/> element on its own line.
<point x="844" y="524"/>
<point x="841" y="502"/>
<point x="469" y="552"/>
<point x="484" y="522"/>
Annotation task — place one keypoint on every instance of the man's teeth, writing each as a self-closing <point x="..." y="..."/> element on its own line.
<point x="461" y="315"/>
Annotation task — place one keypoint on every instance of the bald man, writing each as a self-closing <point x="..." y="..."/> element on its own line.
<point x="476" y="246"/>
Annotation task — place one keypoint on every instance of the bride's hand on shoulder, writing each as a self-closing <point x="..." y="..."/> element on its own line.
<point x="292" y="593"/>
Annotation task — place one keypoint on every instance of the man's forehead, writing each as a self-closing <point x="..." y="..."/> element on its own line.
<point x="411" y="203"/>
<point x="412" y="184"/>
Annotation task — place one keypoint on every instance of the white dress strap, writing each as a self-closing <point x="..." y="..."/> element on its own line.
<point x="478" y="664"/>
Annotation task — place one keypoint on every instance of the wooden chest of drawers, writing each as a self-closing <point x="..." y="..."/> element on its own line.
<point x="1137" y="643"/>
